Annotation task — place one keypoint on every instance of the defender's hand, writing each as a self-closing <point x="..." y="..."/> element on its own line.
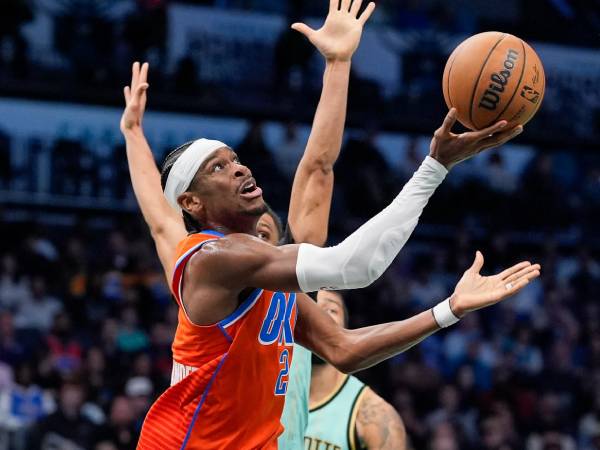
<point x="135" y="98"/>
<point x="339" y="36"/>
<point x="474" y="291"/>
<point x="449" y="148"/>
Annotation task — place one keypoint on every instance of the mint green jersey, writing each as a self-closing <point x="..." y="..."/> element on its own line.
<point x="295" y="410"/>
<point x="332" y="423"/>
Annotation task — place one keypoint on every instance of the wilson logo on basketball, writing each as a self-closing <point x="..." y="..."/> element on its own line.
<point x="491" y="96"/>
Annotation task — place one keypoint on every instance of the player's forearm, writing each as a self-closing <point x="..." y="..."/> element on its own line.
<point x="310" y="202"/>
<point x="364" y="255"/>
<point x="365" y="347"/>
<point x="145" y="180"/>
<point x="325" y="140"/>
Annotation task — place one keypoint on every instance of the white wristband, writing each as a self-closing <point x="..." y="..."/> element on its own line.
<point x="443" y="315"/>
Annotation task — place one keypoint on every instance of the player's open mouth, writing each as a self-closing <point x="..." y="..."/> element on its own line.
<point x="250" y="190"/>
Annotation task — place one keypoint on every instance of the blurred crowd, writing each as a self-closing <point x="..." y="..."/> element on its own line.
<point x="89" y="45"/>
<point x="86" y="319"/>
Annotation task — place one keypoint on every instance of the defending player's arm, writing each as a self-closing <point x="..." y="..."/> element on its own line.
<point x="313" y="183"/>
<point x="378" y="425"/>
<point x="354" y="350"/>
<point x="166" y="224"/>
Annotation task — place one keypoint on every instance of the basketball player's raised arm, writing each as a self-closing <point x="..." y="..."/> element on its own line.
<point x="166" y="225"/>
<point x="353" y="350"/>
<point x="241" y="260"/>
<point x="336" y="40"/>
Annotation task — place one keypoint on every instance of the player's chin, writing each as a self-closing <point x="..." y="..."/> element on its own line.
<point x="254" y="207"/>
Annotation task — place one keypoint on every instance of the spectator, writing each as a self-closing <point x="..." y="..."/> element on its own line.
<point x="22" y="404"/>
<point x="67" y="428"/>
<point x="37" y="311"/>
<point x="13" y="286"/>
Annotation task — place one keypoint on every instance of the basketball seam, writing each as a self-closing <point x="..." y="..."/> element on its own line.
<point x="537" y="107"/>
<point x="449" y="74"/>
<point x="516" y="88"/>
<point x="479" y="77"/>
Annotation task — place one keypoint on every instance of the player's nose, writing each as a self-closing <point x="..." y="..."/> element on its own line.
<point x="242" y="171"/>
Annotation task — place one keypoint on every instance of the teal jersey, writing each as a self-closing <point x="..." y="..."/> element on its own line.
<point x="332" y="423"/>
<point x="295" y="410"/>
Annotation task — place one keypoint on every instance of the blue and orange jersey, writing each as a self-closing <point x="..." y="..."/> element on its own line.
<point x="229" y="379"/>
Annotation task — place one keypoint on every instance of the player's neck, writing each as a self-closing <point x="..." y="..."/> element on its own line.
<point x="245" y="225"/>
<point x="324" y="381"/>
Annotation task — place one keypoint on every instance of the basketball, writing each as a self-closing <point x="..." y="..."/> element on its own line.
<point x="493" y="76"/>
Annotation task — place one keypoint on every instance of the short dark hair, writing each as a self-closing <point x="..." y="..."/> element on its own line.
<point x="191" y="224"/>
<point x="276" y="219"/>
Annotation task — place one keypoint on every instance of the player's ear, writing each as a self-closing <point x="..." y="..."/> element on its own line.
<point x="191" y="203"/>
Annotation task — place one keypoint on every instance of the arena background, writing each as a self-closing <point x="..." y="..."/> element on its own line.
<point x="86" y="319"/>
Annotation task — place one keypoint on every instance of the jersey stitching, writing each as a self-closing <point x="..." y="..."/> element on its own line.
<point x="204" y="395"/>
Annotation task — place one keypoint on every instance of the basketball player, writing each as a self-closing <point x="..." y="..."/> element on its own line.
<point x="169" y="407"/>
<point x="311" y="193"/>
<point x="239" y="316"/>
<point x="345" y="414"/>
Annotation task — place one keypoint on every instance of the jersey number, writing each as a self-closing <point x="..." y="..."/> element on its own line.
<point x="277" y="327"/>
<point x="281" y="385"/>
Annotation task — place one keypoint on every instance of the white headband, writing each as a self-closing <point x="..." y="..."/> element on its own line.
<point x="183" y="171"/>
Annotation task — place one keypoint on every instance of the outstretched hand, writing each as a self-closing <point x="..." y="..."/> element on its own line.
<point x="450" y="148"/>
<point x="339" y="36"/>
<point x="135" y="98"/>
<point x="475" y="291"/>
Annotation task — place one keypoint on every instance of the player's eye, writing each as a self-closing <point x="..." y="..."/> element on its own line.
<point x="236" y="160"/>
<point x="218" y="167"/>
<point x="264" y="236"/>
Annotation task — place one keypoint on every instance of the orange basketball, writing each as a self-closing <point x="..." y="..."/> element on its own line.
<point x="493" y="76"/>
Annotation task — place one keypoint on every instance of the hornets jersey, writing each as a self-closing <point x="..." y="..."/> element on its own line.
<point x="332" y="423"/>
<point x="295" y="411"/>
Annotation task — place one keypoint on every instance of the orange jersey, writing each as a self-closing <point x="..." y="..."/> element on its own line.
<point x="229" y="379"/>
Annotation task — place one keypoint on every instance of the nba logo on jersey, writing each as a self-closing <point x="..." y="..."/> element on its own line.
<point x="278" y="327"/>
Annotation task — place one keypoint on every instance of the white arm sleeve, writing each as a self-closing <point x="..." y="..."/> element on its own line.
<point x="364" y="255"/>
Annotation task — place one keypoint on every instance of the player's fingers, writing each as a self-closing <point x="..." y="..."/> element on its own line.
<point x="127" y="94"/>
<point x="491" y="130"/>
<point x="303" y="28"/>
<point x="141" y="90"/>
<point x="477" y="263"/>
<point x="514" y="288"/>
<point x="513" y="269"/>
<point x="449" y="121"/>
<point x="501" y="138"/>
<point x="345" y="5"/>
<point x="135" y="74"/>
<point x="334" y="5"/>
<point x="525" y="271"/>
<point x="367" y="13"/>
<point x="144" y="73"/>
<point x="356" y="4"/>
<point x="521" y="273"/>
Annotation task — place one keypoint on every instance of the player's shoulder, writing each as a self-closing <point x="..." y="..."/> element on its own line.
<point x="225" y="252"/>
<point x="373" y="404"/>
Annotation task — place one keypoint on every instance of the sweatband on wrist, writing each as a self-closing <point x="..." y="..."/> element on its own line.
<point x="443" y="315"/>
